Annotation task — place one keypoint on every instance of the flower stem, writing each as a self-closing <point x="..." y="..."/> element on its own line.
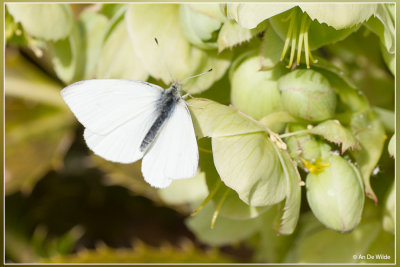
<point x="218" y="208"/>
<point x="208" y="198"/>
<point x="294" y="133"/>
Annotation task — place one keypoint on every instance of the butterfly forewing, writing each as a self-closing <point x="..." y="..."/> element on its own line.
<point x="103" y="105"/>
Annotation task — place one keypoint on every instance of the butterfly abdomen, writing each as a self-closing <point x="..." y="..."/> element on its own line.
<point x="165" y="107"/>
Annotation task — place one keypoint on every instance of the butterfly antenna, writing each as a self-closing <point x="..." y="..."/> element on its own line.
<point x="163" y="60"/>
<point x="188" y="78"/>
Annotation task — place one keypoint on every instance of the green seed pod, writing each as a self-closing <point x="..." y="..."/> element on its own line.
<point x="308" y="95"/>
<point x="255" y="92"/>
<point x="336" y="194"/>
<point x="200" y="25"/>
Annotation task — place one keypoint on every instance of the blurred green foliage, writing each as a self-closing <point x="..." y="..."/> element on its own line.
<point x="258" y="140"/>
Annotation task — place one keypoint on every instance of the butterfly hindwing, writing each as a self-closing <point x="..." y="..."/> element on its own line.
<point x="174" y="153"/>
<point x="122" y="144"/>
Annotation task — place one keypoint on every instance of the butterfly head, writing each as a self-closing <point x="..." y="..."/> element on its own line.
<point x="176" y="87"/>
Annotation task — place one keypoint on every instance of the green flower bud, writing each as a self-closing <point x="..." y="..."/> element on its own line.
<point x="308" y="95"/>
<point x="336" y="194"/>
<point x="305" y="146"/>
<point x="255" y="92"/>
<point x="200" y="25"/>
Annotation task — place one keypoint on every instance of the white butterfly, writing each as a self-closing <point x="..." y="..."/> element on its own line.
<point x="126" y="120"/>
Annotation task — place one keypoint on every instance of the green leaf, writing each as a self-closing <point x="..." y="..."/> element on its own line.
<point x="225" y="231"/>
<point x="118" y="58"/>
<point x="334" y="132"/>
<point x="115" y="13"/>
<point x="250" y="15"/>
<point x="48" y="21"/>
<point x="291" y="210"/>
<point x="68" y="56"/>
<point x="231" y="206"/>
<point x="198" y="27"/>
<point x="339" y="15"/>
<point x="368" y="75"/>
<point x="248" y="164"/>
<point x="142" y="253"/>
<point x="277" y="120"/>
<point x="14" y="33"/>
<point x="9" y="25"/>
<point x="333" y="72"/>
<point x="211" y="10"/>
<point x="185" y="191"/>
<point x="232" y="34"/>
<point x="271" y="49"/>
<point x="180" y="57"/>
<point x="76" y="57"/>
<point x="219" y="62"/>
<point x="93" y="26"/>
<point x="370" y="134"/>
<point x="253" y="91"/>
<point x="38" y="125"/>
<point x="319" y="34"/>
<point x="111" y="10"/>
<point x="305" y="146"/>
<point x="243" y="153"/>
<point x="383" y="25"/>
<point x="353" y="99"/>
<point x="164" y="26"/>
<point x="213" y="120"/>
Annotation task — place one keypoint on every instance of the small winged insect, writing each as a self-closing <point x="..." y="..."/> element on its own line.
<point x="126" y="120"/>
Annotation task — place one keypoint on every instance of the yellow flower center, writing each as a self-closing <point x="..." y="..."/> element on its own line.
<point x="317" y="167"/>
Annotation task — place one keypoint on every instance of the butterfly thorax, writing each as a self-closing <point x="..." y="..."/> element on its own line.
<point x="165" y="107"/>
